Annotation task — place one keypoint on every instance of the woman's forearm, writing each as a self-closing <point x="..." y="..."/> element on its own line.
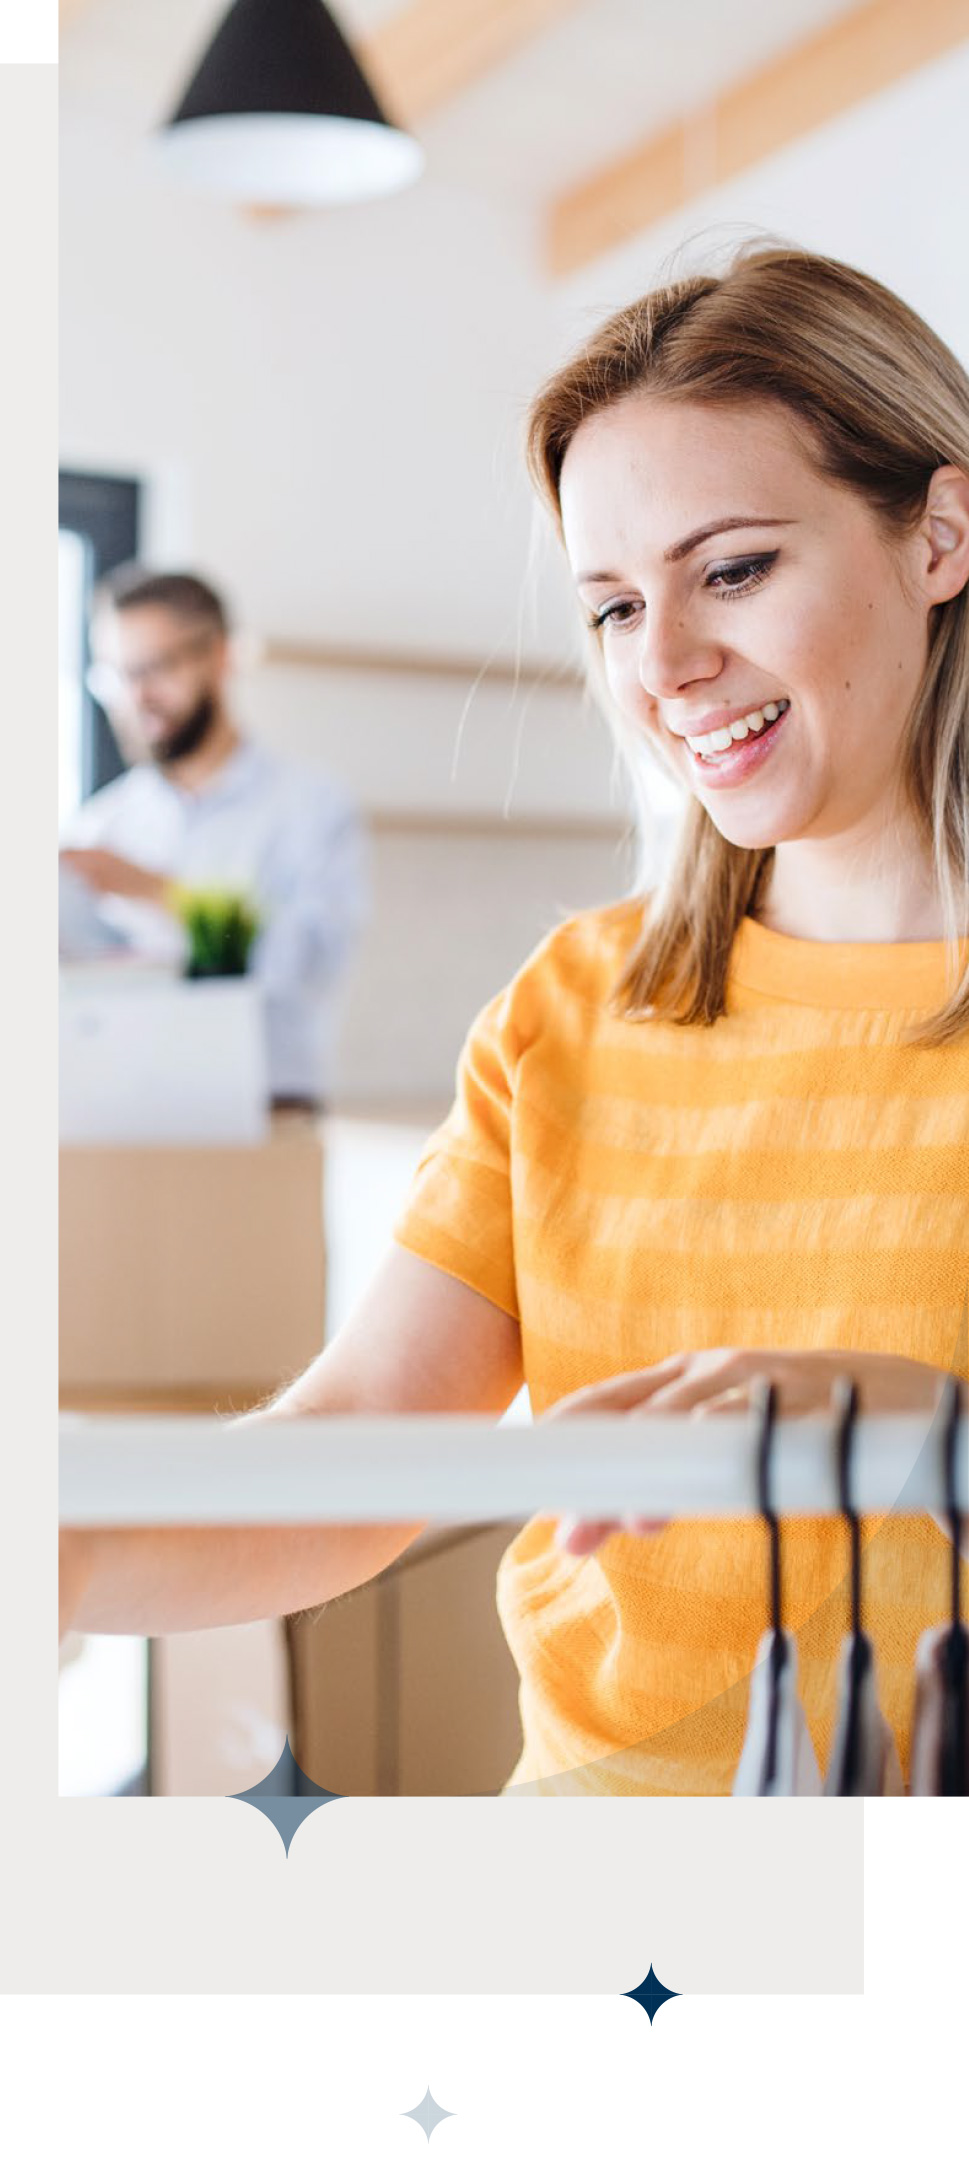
<point x="420" y="1341"/>
<point x="153" y="1582"/>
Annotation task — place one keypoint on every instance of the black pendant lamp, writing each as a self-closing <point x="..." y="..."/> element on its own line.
<point x="279" y="112"/>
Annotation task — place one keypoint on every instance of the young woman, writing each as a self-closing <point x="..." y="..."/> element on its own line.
<point x="720" y="1131"/>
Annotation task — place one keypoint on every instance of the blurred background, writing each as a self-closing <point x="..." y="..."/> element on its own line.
<point x="319" y="408"/>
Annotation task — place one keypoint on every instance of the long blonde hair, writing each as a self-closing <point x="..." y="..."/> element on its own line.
<point x="881" y="402"/>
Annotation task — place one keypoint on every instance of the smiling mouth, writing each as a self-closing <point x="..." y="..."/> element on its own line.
<point x="720" y="740"/>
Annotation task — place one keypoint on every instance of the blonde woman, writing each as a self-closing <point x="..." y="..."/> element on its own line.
<point x="721" y="1130"/>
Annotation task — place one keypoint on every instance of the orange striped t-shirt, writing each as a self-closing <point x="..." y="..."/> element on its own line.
<point x="794" y="1177"/>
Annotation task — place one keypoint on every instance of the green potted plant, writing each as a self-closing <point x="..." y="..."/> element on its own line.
<point x="221" y="927"/>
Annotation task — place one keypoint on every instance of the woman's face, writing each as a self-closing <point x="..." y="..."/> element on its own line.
<point x="732" y="587"/>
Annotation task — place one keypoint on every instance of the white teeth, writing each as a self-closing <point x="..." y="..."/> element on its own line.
<point x="720" y="739"/>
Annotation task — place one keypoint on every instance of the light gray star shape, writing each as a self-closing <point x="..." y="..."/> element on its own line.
<point x="427" y="2114"/>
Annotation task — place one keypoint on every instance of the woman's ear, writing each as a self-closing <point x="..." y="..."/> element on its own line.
<point x="945" y="526"/>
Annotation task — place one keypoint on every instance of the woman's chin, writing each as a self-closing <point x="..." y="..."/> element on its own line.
<point x="754" y="826"/>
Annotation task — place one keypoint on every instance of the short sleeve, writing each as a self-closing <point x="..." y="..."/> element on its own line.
<point x="458" y="1214"/>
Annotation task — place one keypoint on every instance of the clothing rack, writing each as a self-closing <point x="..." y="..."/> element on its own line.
<point x="137" y="1471"/>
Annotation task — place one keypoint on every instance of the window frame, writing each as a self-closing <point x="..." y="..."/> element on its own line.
<point x="105" y="511"/>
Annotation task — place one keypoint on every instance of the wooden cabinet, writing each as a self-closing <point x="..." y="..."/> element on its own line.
<point x="407" y="1685"/>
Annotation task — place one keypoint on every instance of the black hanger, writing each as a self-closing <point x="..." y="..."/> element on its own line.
<point x="844" y="1398"/>
<point x="955" y="1745"/>
<point x="765" y="1401"/>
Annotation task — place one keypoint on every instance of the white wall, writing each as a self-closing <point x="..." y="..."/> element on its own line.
<point x="331" y="402"/>
<point x="327" y="412"/>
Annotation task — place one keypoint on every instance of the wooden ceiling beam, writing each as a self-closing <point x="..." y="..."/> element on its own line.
<point x="850" y="59"/>
<point x="432" y="50"/>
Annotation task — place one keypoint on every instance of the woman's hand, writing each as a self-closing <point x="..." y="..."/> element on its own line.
<point x="707" y="1382"/>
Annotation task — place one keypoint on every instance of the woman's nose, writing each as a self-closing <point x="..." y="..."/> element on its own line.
<point x="672" y="655"/>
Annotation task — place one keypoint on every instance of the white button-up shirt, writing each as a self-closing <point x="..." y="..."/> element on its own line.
<point x="284" y="835"/>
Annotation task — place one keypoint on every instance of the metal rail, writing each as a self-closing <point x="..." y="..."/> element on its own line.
<point x="123" y="1470"/>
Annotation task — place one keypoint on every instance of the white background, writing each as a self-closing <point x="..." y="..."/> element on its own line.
<point x="530" y="2078"/>
<point x="28" y="30"/>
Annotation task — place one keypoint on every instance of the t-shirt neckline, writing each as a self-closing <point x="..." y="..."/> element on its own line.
<point x="893" y="978"/>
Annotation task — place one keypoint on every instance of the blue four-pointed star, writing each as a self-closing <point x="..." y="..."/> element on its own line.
<point x="651" y="1994"/>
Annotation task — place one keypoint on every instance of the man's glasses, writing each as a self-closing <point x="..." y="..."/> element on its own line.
<point x="107" y="681"/>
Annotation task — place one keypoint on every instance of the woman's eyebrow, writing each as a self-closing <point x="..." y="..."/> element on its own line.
<point x="682" y="548"/>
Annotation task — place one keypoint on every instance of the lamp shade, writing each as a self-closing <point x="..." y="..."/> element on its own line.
<point x="279" y="111"/>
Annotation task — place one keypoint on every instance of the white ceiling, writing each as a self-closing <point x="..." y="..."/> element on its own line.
<point x="606" y="77"/>
<point x="610" y="73"/>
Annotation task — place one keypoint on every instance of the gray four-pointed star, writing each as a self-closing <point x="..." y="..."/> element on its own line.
<point x="427" y="2114"/>
<point x="286" y="1795"/>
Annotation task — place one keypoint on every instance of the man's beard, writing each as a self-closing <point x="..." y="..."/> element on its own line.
<point x="189" y="735"/>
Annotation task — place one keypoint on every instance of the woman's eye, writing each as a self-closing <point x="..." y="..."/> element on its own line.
<point x="742" y="575"/>
<point x="729" y="580"/>
<point x="618" y="612"/>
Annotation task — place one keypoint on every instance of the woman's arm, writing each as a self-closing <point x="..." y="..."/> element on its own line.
<point x="419" y="1341"/>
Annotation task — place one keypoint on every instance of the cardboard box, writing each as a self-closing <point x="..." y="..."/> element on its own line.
<point x="407" y="1686"/>
<point x="191" y="1277"/>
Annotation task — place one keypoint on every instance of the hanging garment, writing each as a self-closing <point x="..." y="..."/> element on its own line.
<point x="862" y="1733"/>
<point x="795" y="1763"/>
<point x="940" y="1729"/>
